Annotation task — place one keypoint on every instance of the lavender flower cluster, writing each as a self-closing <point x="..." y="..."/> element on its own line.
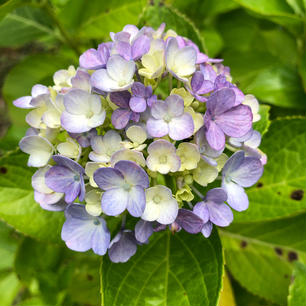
<point x="137" y="130"/>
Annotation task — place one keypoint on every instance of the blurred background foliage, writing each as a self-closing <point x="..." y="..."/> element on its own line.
<point x="262" y="41"/>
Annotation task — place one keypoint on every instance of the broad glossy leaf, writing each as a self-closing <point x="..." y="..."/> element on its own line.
<point x="8" y="246"/>
<point x="59" y="272"/>
<point x="281" y="190"/>
<point x="112" y="19"/>
<point x="9" y="6"/>
<point x="297" y="290"/>
<point x="17" y="205"/>
<point x="9" y="287"/>
<point x="244" y="297"/>
<point x="227" y="295"/>
<point x="180" y="269"/>
<point x="24" y="25"/>
<point x="276" y="10"/>
<point x="261" y="256"/>
<point x="157" y="13"/>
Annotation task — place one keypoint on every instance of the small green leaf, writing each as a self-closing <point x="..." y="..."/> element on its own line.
<point x="260" y="256"/>
<point x="281" y="190"/>
<point x="263" y="124"/>
<point x="297" y="290"/>
<point x="180" y="269"/>
<point x="17" y="205"/>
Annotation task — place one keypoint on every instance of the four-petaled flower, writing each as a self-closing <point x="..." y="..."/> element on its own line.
<point x="66" y="177"/>
<point x="168" y="117"/>
<point x="124" y="188"/>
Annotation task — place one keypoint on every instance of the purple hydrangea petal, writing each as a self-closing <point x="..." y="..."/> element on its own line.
<point x="108" y="178"/>
<point x="216" y="195"/>
<point x="136" y="201"/>
<point x="139" y="90"/>
<point x="208" y="72"/>
<point x="121" y="117"/>
<point x="207" y="86"/>
<point x="200" y="209"/>
<point x="220" y="101"/>
<point x="82" y="232"/>
<point x="133" y="174"/>
<point x="59" y="178"/>
<point x="124" y="49"/>
<point x="189" y="221"/>
<point x="197" y="81"/>
<point x="114" y="201"/>
<point x="236" y="196"/>
<point x="159" y="110"/>
<point x="120" y="98"/>
<point x="207" y="229"/>
<point x="68" y="163"/>
<point x="50" y="201"/>
<point x="236" y="122"/>
<point x="91" y="59"/>
<point x="24" y="102"/>
<point x="181" y="127"/>
<point x="220" y="214"/>
<point x="233" y="163"/>
<point x="175" y="105"/>
<point x="248" y="173"/>
<point x="138" y="104"/>
<point x="214" y="135"/>
<point x="140" y="47"/>
<point x="122" y="247"/>
<point x="157" y="128"/>
<point x="143" y="230"/>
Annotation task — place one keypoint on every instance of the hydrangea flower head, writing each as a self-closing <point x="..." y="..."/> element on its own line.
<point x="135" y="134"/>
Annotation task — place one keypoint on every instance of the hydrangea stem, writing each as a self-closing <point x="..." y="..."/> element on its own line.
<point x="101" y="281"/>
<point x="49" y="9"/>
<point x="197" y="192"/>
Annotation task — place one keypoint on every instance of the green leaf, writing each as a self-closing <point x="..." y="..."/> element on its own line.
<point x="277" y="11"/>
<point x="244" y="297"/>
<point x="281" y="190"/>
<point x="263" y="124"/>
<point x="157" y="13"/>
<point x="196" y="10"/>
<point x="17" y="205"/>
<point x="24" y="25"/>
<point x="9" y="6"/>
<point x="112" y="19"/>
<point x="297" y="290"/>
<point x="180" y="269"/>
<point x="8" y="246"/>
<point x="9" y="287"/>
<point x="261" y="256"/>
<point x="59" y="272"/>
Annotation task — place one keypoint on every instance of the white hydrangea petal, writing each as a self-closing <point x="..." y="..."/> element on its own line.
<point x="38" y="180"/>
<point x="39" y="148"/>
<point x="168" y="212"/>
<point x="136" y="134"/>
